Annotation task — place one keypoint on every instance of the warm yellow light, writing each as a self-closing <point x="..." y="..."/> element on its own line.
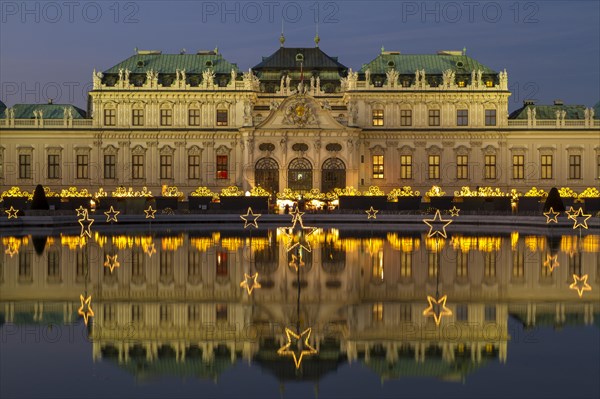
<point x="551" y="262"/>
<point x="454" y="211"/>
<point x="111" y="215"/>
<point x="300" y="348"/>
<point x="250" y="218"/>
<point x="85" y="309"/>
<point x="12" y="213"/>
<point x="150" y="212"/>
<point x="437" y="309"/>
<point x="112" y="262"/>
<point x="372" y="213"/>
<point x="580" y="219"/>
<point x="250" y="282"/>
<point x="551" y="216"/>
<point x="86" y="224"/>
<point x="580" y="284"/>
<point x="437" y="220"/>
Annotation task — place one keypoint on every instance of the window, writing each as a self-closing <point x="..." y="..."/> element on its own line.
<point x="165" y="313"/>
<point x="25" y="270"/>
<point x="109" y="312"/>
<point x="546" y="167"/>
<point x="222" y="117"/>
<point x="433" y="264"/>
<point x="137" y="166"/>
<point x="222" y="166"/>
<point x="462" y="312"/>
<point x="136" y="313"/>
<point x="490" y="313"/>
<point x="598" y="167"/>
<point x="137" y="117"/>
<point x="405" y="312"/>
<point x="518" y="263"/>
<point x="518" y="166"/>
<point x="434" y="167"/>
<point x="194" y="313"/>
<point x="406" y="117"/>
<point x="194" y="117"/>
<point x="193" y="166"/>
<point x="194" y="264"/>
<point x="137" y="264"/>
<point x="406" y="166"/>
<point x="490" y="166"/>
<point x="221" y="312"/>
<point x="434" y="117"/>
<point x="378" y="311"/>
<point x="377" y="166"/>
<point x="574" y="166"/>
<point x="166" y="166"/>
<point x="110" y="117"/>
<point x="166" y="266"/>
<point x="53" y="166"/>
<point x="489" y="264"/>
<point x="462" y="264"/>
<point x="489" y="83"/>
<point x="222" y="269"/>
<point x="462" y="117"/>
<point x="25" y="166"/>
<point x="377" y="117"/>
<point x="110" y="166"/>
<point x="490" y="117"/>
<point x="53" y="265"/>
<point x="406" y="264"/>
<point x="82" y="166"/>
<point x="166" y="117"/>
<point x="81" y="265"/>
<point x="462" y="166"/>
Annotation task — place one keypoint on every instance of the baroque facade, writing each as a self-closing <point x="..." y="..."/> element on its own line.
<point x="299" y="119"/>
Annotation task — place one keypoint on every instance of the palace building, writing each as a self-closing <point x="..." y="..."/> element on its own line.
<point x="300" y="119"/>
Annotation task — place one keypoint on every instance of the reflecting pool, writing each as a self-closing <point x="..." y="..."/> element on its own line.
<point x="268" y="313"/>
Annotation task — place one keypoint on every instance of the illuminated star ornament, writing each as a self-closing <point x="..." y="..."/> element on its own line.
<point x="86" y="224"/>
<point x="372" y="213"/>
<point x="12" y="213"/>
<point x="111" y="215"/>
<point x="12" y="249"/>
<point x="149" y="249"/>
<point x="250" y="282"/>
<point x="150" y="212"/>
<point x="454" y="211"/>
<point x="296" y="262"/>
<point x="436" y="221"/>
<point x="580" y="284"/>
<point x="437" y="308"/>
<point x="570" y="212"/>
<point x="551" y="216"/>
<point x="551" y="262"/>
<point x="580" y="219"/>
<point x="111" y="262"/>
<point x="250" y="218"/>
<point x="85" y="309"/>
<point x="297" y="346"/>
<point x="297" y="234"/>
<point x="81" y="211"/>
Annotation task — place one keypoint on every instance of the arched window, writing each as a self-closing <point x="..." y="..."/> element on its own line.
<point x="266" y="174"/>
<point x="300" y="175"/>
<point x="333" y="175"/>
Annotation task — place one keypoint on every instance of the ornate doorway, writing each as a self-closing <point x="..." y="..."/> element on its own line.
<point x="266" y="174"/>
<point x="300" y="175"/>
<point x="333" y="175"/>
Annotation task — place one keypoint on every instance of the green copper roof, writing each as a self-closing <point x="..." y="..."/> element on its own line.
<point x="2" y="108"/>
<point x="549" y="111"/>
<point x="313" y="58"/>
<point x="433" y="64"/>
<point x="50" y="111"/>
<point x="597" y="110"/>
<point x="169" y="63"/>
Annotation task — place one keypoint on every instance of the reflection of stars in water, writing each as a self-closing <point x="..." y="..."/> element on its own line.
<point x="250" y="282"/>
<point x="111" y="262"/>
<point x="437" y="308"/>
<point x="149" y="249"/>
<point x="436" y="221"/>
<point x="12" y="249"/>
<point x="12" y="212"/>
<point x="580" y="284"/>
<point x="85" y="309"/>
<point x="250" y="218"/>
<point x="111" y="215"/>
<point x="372" y="213"/>
<point x="86" y="224"/>
<point x="296" y="261"/>
<point x="580" y="219"/>
<point x="297" y="235"/>
<point x="551" y="262"/>
<point x="551" y="216"/>
<point x="297" y="346"/>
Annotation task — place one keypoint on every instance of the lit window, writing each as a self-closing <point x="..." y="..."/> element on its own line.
<point x="405" y="264"/>
<point x="489" y="264"/>
<point x="490" y="166"/>
<point x="377" y="166"/>
<point x="461" y="83"/>
<point x="490" y="117"/>
<point x="406" y="166"/>
<point x="489" y="83"/>
<point x="166" y="117"/>
<point x="518" y="166"/>
<point x="82" y="166"/>
<point x="24" y="166"/>
<point x="193" y="166"/>
<point x="462" y="264"/>
<point x="110" y="166"/>
<point x="222" y="117"/>
<point x="137" y="166"/>
<point x="166" y="166"/>
<point x="110" y="117"/>
<point x="462" y="117"/>
<point x="377" y="117"/>
<point x="222" y="269"/>
<point x="222" y="166"/>
<point x="137" y="117"/>
<point x="434" y="117"/>
<point x="221" y="312"/>
<point x="433" y="264"/>
<point x="462" y="167"/>
<point x="546" y="167"/>
<point x="406" y="117"/>
<point x="53" y="166"/>
<point x="434" y="167"/>
<point x="574" y="166"/>
<point x="378" y="311"/>
<point x="194" y="117"/>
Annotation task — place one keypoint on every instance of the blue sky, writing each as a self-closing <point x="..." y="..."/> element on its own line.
<point x="551" y="49"/>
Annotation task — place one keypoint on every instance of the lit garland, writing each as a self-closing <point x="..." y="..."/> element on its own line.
<point x="566" y="192"/>
<point x="405" y="191"/>
<point x="12" y="213"/>
<point x="551" y="216"/>
<point x="231" y="191"/>
<point x="111" y="215"/>
<point x="590" y="192"/>
<point x="288" y="194"/>
<point x="373" y="191"/>
<point x="100" y="193"/>
<point x="203" y="192"/>
<point x="580" y="284"/>
<point x="171" y="191"/>
<point x="300" y="348"/>
<point x="372" y="213"/>
<point x="315" y="194"/>
<point x="85" y="309"/>
<point x="435" y="191"/>
<point x="171" y="243"/>
<point x="404" y="244"/>
<point x="250" y="282"/>
<point x="72" y="192"/>
<point x="259" y="192"/>
<point x="122" y="192"/>
<point x="535" y="192"/>
<point x="347" y="191"/>
<point x="480" y="192"/>
<point x="15" y="192"/>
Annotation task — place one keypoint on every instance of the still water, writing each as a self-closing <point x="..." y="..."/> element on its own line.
<point x="346" y="313"/>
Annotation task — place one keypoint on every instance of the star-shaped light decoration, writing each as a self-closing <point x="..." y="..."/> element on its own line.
<point x="551" y="262"/>
<point x="86" y="224"/>
<point x="12" y="213"/>
<point x="250" y="282"/>
<point x="298" y="233"/>
<point x="297" y="346"/>
<point x="85" y="309"/>
<point x="454" y="211"/>
<point x="570" y="212"/>
<point x="437" y="308"/>
<point x="437" y="220"/>
<point x="12" y="249"/>
<point x="81" y="211"/>
<point x="112" y="262"/>
<point x="372" y="213"/>
<point x="150" y="212"/>
<point x="297" y="217"/>
<point x="551" y="216"/>
<point x="111" y="215"/>
<point x="296" y="262"/>
<point x="149" y="249"/>
<point x="580" y="284"/>
<point x="250" y="218"/>
<point x="580" y="219"/>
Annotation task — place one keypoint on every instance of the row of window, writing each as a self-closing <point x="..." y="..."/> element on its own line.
<point x="166" y="117"/>
<point x="406" y="118"/>
<point x="165" y="313"/>
<point x="405" y="313"/>
<point x="490" y="167"/>
<point x="222" y="166"/>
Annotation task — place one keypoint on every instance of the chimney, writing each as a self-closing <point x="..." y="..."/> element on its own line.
<point x="50" y="101"/>
<point x="559" y="102"/>
<point x="528" y="102"/>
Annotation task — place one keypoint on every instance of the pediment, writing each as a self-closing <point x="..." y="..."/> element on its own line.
<point x="300" y="111"/>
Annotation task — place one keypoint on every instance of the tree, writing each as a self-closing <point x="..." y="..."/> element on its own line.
<point x="554" y="201"/>
<point x="39" y="201"/>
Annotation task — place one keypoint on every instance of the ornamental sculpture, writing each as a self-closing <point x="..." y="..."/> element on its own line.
<point x="299" y="113"/>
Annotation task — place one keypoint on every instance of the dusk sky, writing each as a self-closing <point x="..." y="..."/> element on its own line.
<point x="551" y="49"/>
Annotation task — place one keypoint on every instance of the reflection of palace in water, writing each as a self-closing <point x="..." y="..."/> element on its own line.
<point x="173" y="304"/>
